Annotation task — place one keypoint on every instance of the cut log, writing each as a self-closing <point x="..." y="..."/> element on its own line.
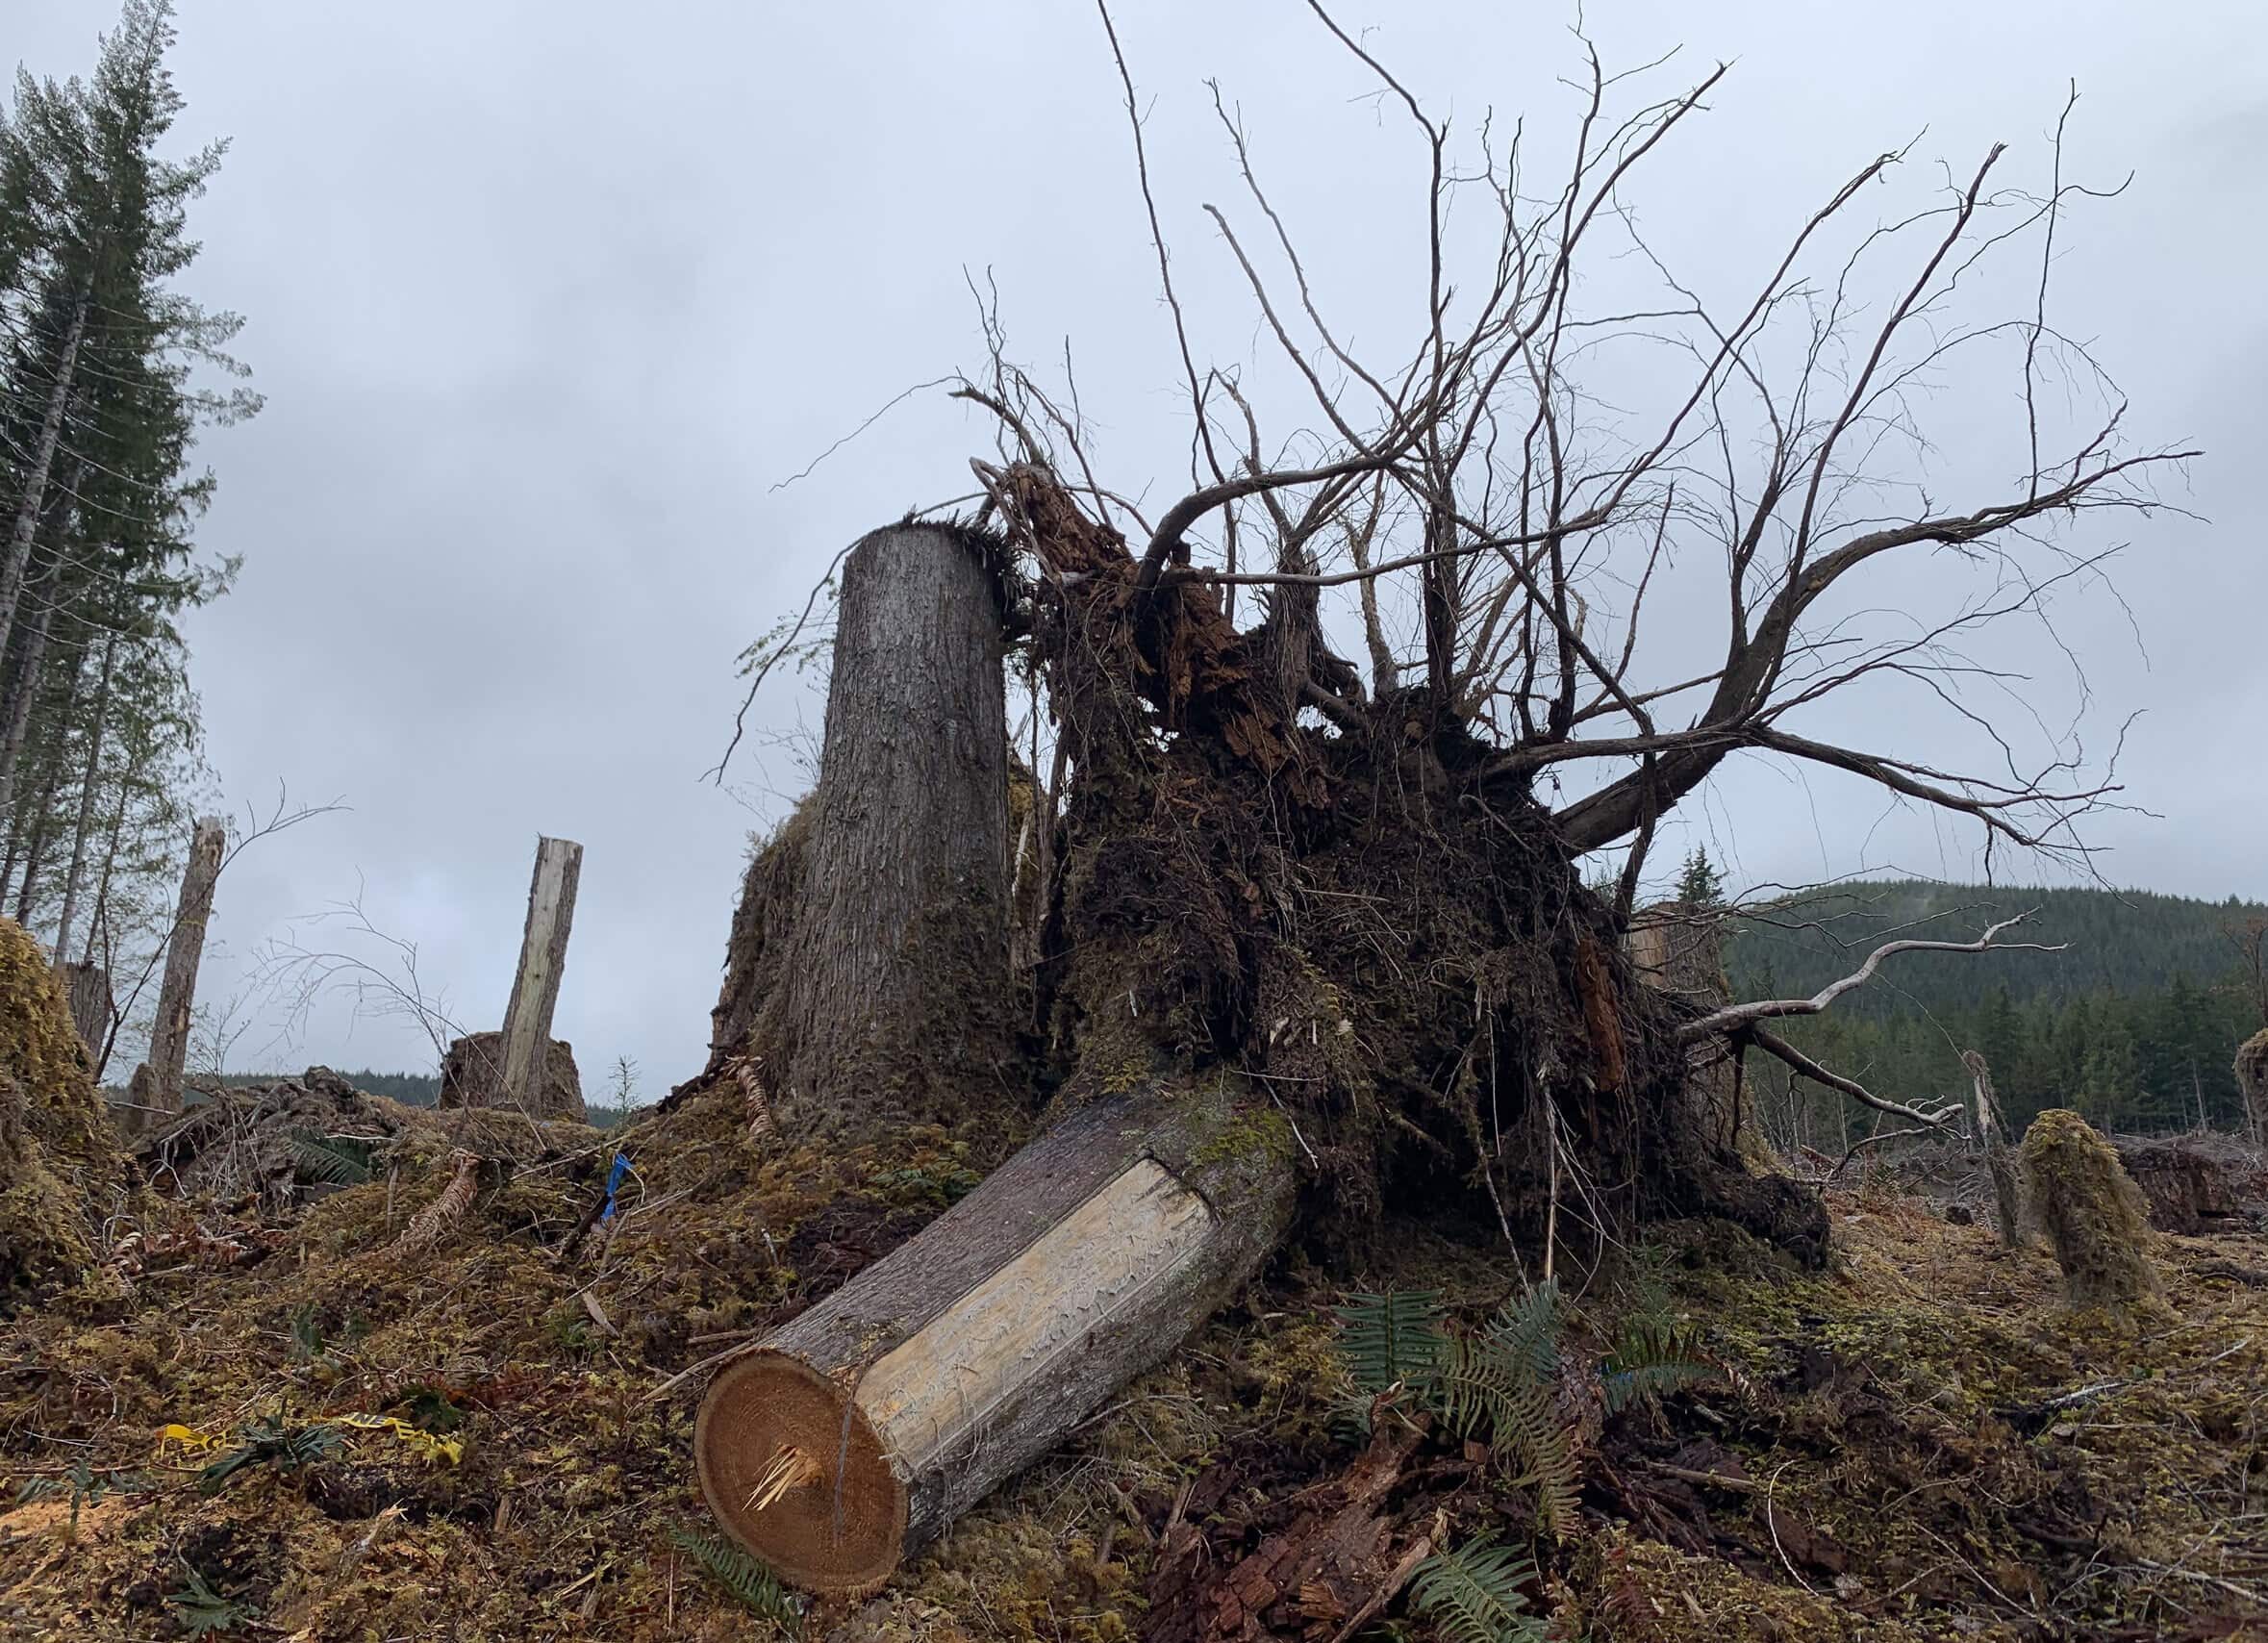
<point x="855" y="1434"/>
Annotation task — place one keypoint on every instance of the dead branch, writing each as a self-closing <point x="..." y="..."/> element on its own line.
<point x="1774" y="1044"/>
<point x="1736" y="1017"/>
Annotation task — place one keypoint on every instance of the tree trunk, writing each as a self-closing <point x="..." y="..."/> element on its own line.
<point x="2007" y="1202"/>
<point x="535" y="984"/>
<point x="23" y="684"/>
<point x="88" y="988"/>
<point x="857" y="1434"/>
<point x="177" y="997"/>
<point x="82" y="830"/>
<point x="33" y="500"/>
<point x="871" y="944"/>
<point x="50" y="778"/>
<point x="110" y="863"/>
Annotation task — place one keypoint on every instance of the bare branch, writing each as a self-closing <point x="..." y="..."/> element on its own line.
<point x="1736" y="1017"/>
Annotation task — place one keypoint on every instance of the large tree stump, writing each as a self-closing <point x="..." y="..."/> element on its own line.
<point x="855" y="1434"/>
<point x="472" y="1076"/>
<point x="2252" y="1078"/>
<point x="61" y="1170"/>
<point x="2094" y="1215"/>
<point x="868" y="958"/>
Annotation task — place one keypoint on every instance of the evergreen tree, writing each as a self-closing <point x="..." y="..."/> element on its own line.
<point x="1700" y="885"/>
<point x="103" y="367"/>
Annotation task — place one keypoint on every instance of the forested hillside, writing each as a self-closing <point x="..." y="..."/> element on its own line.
<point x="2134" y="1023"/>
<point x="417" y="1089"/>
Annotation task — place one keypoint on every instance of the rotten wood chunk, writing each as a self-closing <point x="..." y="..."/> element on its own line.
<point x="1342" y="1555"/>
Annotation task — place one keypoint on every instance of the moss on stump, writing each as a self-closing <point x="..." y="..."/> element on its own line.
<point x="2094" y="1215"/>
<point x="60" y="1165"/>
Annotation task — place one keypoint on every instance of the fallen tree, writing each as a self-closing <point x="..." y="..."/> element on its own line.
<point x="1354" y="911"/>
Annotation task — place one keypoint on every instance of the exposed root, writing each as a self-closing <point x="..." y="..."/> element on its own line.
<point x="433" y="1224"/>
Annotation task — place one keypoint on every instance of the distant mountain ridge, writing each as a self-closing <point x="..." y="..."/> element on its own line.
<point x="2121" y="941"/>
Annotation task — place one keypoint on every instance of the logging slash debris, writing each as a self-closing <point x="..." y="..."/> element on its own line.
<point x="1919" y="1439"/>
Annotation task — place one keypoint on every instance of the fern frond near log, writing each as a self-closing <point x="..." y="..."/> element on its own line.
<point x="336" y="1160"/>
<point x="1474" y="1594"/>
<point x="433" y="1224"/>
<point x="1499" y="1384"/>
<point x="745" y="1578"/>
<point x="1650" y="1356"/>
<point x="1396" y="1338"/>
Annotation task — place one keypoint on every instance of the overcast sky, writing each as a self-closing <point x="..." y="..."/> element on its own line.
<point x="547" y="299"/>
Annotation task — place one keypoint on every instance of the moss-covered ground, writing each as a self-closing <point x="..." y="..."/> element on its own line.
<point x="1876" y="1450"/>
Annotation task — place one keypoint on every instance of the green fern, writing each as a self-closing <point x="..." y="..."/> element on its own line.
<point x="1490" y="1391"/>
<point x="336" y="1160"/>
<point x="285" y="1447"/>
<point x="1499" y="1385"/>
<point x="1653" y="1353"/>
<point x="199" y="1609"/>
<point x="1527" y="1330"/>
<point x="1474" y="1594"/>
<point x="749" y="1584"/>
<point x="1393" y="1339"/>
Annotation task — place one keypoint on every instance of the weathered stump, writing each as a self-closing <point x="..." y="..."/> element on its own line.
<point x="472" y="1076"/>
<point x="2008" y="1195"/>
<point x="868" y="959"/>
<point x="855" y="1434"/>
<point x="2094" y="1215"/>
<point x="535" y="984"/>
<point x="2252" y="1078"/>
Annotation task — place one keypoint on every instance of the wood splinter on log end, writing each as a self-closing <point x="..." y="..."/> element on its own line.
<point x="770" y="1436"/>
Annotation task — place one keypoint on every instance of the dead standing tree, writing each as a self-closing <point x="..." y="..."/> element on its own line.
<point x="1303" y="929"/>
<point x="157" y="1083"/>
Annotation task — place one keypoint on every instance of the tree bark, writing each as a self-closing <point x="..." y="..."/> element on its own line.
<point x="89" y="777"/>
<point x="50" y="778"/>
<point x="2008" y="1202"/>
<point x="110" y="863"/>
<point x="870" y="946"/>
<point x="857" y="1434"/>
<point x="542" y="962"/>
<point x="177" y="997"/>
<point x="88" y="988"/>
<point x="33" y="500"/>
